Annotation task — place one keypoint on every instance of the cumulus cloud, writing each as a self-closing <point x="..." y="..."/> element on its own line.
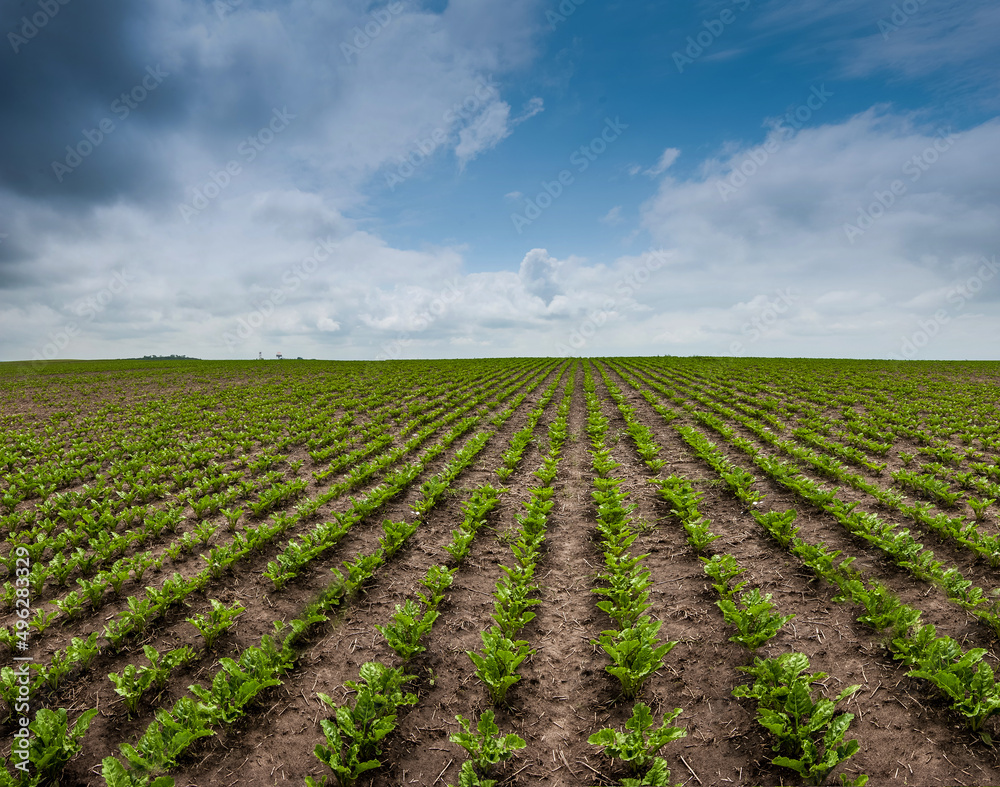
<point x="823" y="181"/>
<point x="539" y="273"/>
<point x="766" y="270"/>
<point x="894" y="207"/>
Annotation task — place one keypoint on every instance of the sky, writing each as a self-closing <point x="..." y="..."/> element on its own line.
<point x="487" y="178"/>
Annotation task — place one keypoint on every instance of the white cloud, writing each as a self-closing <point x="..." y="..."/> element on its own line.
<point x="484" y="133"/>
<point x="532" y="108"/>
<point x="669" y="157"/>
<point x="803" y="196"/>
<point x="613" y="216"/>
<point x="318" y="284"/>
<point x="492" y="126"/>
<point x="913" y="40"/>
<point x="424" y="76"/>
<point x="783" y="225"/>
<point x="539" y="274"/>
<point x="848" y="301"/>
<point x="962" y="34"/>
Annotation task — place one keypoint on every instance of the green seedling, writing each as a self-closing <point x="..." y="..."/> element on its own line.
<point x="10" y="688"/>
<point x="699" y="535"/>
<point x="236" y="685"/>
<point x="408" y="626"/>
<point x="962" y="676"/>
<point x="353" y="738"/>
<point x="359" y="572"/>
<point x="93" y="590"/>
<point x="437" y="580"/>
<point x="754" y="617"/>
<point x="43" y="620"/>
<point x="723" y="568"/>
<point x="71" y="604"/>
<point x="780" y="524"/>
<point x="279" y="575"/>
<point x="394" y="535"/>
<point x="461" y="541"/>
<point x="83" y="651"/>
<point x="130" y="684"/>
<point x="117" y="775"/>
<point x="627" y="592"/>
<point x="979" y="507"/>
<point x="220" y="619"/>
<point x="497" y="666"/>
<point x="635" y="653"/>
<point x="60" y="665"/>
<point x="54" y="742"/>
<point x="232" y="516"/>
<point x="164" y="741"/>
<point x="512" y="598"/>
<point x="486" y="748"/>
<point x="809" y="733"/>
<point x="883" y="608"/>
<point x="638" y="746"/>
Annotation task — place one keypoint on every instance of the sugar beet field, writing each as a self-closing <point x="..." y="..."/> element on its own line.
<point x="636" y="571"/>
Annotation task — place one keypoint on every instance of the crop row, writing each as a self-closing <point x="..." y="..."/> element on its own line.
<point x="962" y="676"/>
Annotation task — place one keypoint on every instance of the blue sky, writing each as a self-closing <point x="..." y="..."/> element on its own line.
<point x="633" y="62"/>
<point x="583" y="178"/>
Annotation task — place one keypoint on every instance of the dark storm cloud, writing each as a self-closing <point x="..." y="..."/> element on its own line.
<point x="93" y="102"/>
<point x="61" y="81"/>
<point x="15" y="271"/>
